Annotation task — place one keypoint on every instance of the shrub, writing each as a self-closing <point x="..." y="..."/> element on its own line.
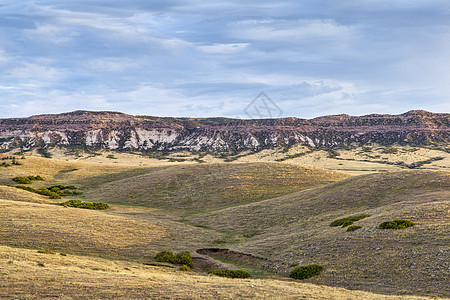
<point x="27" y="179"/>
<point x="86" y="205"/>
<point x="304" y="272"/>
<point x="396" y="224"/>
<point x="26" y="188"/>
<point x="354" y="228"/>
<point x="185" y="258"/>
<point x="22" y="180"/>
<point x="166" y="256"/>
<point x="344" y="222"/>
<point x="184" y="268"/>
<point x="46" y="252"/>
<point x="182" y="258"/>
<point x="47" y="192"/>
<point x="231" y="273"/>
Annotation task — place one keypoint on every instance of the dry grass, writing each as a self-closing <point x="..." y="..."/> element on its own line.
<point x="75" y="277"/>
<point x="345" y="197"/>
<point x="74" y="230"/>
<point x="12" y="193"/>
<point x="56" y="171"/>
<point x="282" y="208"/>
<point x="295" y="229"/>
<point x="207" y="186"/>
<point x="357" y="160"/>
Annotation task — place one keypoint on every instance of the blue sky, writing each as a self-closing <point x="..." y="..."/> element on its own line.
<point x="199" y="58"/>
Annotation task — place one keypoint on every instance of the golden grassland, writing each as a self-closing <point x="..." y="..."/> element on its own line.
<point x="357" y="160"/>
<point x="207" y="186"/>
<point x="27" y="274"/>
<point x="295" y="229"/>
<point x="74" y="230"/>
<point x="266" y="204"/>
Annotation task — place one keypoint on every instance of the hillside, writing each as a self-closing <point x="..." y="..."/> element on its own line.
<point x="261" y="216"/>
<point x="295" y="229"/>
<point x="192" y="188"/>
<point x="117" y="131"/>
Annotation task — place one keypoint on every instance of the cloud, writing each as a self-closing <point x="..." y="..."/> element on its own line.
<point x="190" y="57"/>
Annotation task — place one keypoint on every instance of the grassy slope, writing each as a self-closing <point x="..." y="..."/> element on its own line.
<point x="286" y="229"/>
<point x="74" y="230"/>
<point x="295" y="228"/>
<point x="208" y="186"/>
<point x="75" y="277"/>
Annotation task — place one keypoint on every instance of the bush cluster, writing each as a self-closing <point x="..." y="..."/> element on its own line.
<point x="344" y="222"/>
<point x="64" y="190"/>
<point x="231" y="273"/>
<point x="54" y="192"/>
<point x="26" y="179"/>
<point x="86" y="205"/>
<point x="304" y="272"/>
<point x="396" y="224"/>
<point x="182" y="258"/>
<point x="43" y="191"/>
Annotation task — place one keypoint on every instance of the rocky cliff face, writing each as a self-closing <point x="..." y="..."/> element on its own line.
<point x="117" y="131"/>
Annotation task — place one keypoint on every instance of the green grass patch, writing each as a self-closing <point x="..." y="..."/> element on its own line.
<point x="344" y="222"/>
<point x="396" y="224"/>
<point x="304" y="272"/>
<point x="231" y="273"/>
<point x="86" y="205"/>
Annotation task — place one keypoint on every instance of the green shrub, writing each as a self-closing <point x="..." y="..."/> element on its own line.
<point x="47" y="192"/>
<point x="344" y="222"/>
<point x="396" y="224"/>
<point x="46" y="252"/>
<point x="231" y="273"/>
<point x="26" y="188"/>
<point x="54" y="191"/>
<point x="166" y="256"/>
<point x="22" y="180"/>
<point x="354" y="228"/>
<point x="182" y="258"/>
<point x="304" y="272"/>
<point x="86" y="205"/>
<point x="26" y="179"/>
<point x="185" y="258"/>
<point x="184" y="268"/>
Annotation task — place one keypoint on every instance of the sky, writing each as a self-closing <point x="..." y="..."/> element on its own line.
<point x="191" y="58"/>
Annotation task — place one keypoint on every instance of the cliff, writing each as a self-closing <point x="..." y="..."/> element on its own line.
<point x="118" y="131"/>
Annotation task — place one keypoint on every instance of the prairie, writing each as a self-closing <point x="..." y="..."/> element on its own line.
<point x="268" y="211"/>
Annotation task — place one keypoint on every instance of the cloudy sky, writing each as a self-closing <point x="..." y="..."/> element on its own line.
<point x="212" y="58"/>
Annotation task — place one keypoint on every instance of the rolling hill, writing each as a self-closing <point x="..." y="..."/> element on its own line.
<point x="265" y="217"/>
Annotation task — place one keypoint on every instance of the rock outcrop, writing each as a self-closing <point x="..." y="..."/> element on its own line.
<point x="117" y="131"/>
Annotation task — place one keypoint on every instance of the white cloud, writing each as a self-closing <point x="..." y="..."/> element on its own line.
<point x="223" y="48"/>
<point x="292" y="30"/>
